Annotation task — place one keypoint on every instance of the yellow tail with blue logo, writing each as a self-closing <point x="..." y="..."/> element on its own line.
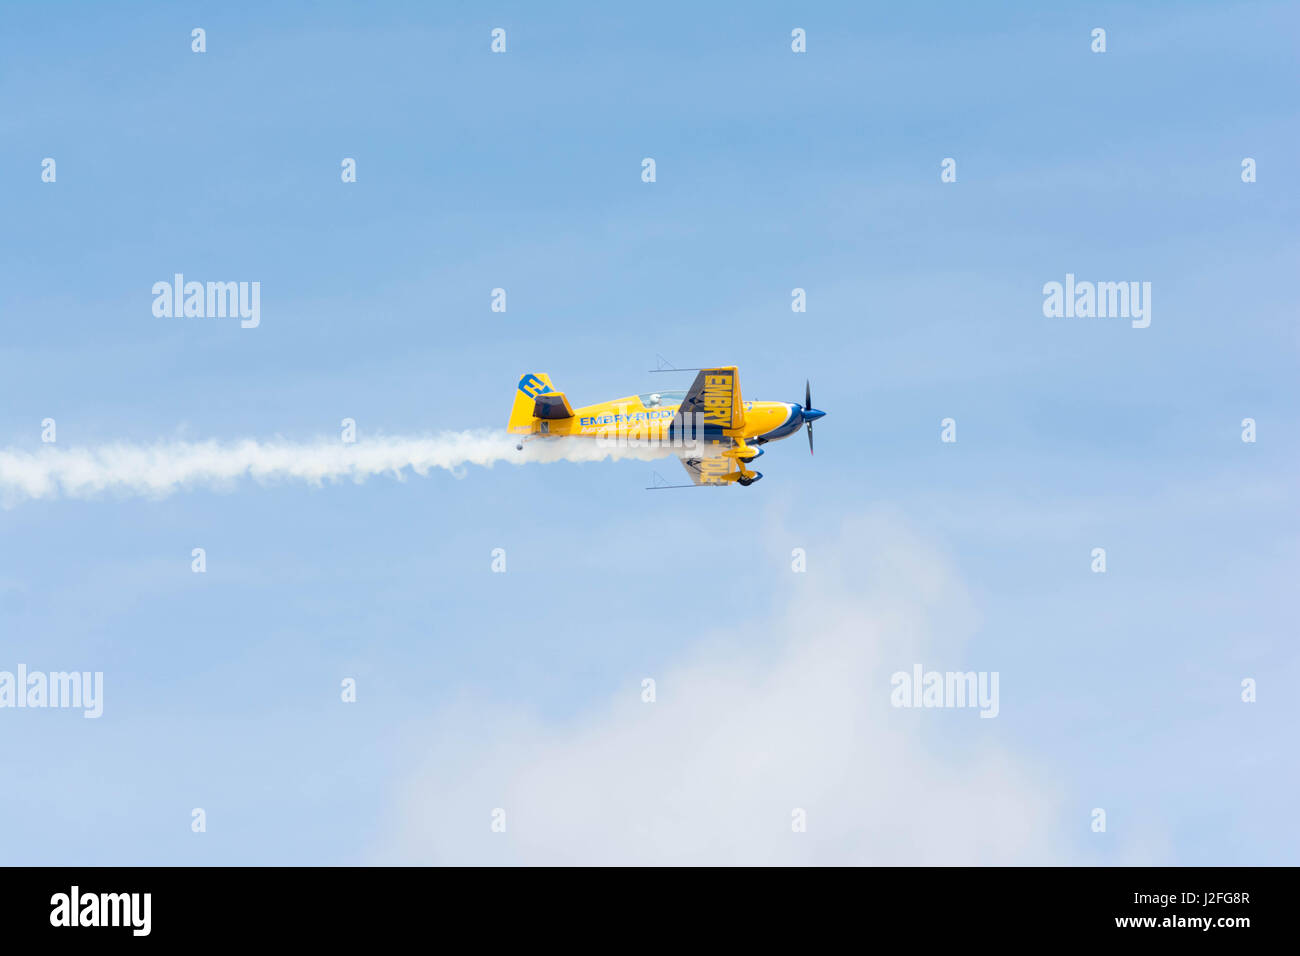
<point x="537" y="405"/>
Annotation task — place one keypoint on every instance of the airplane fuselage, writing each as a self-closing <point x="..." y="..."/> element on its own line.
<point x="763" y="421"/>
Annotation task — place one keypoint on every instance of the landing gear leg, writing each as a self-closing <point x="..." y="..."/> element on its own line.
<point x="741" y="451"/>
<point x="743" y="455"/>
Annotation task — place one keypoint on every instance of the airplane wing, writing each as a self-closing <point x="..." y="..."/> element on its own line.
<point x="711" y="471"/>
<point x="715" y="395"/>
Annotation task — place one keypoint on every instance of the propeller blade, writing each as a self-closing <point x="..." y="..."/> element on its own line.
<point x="810" y="447"/>
<point x="807" y="394"/>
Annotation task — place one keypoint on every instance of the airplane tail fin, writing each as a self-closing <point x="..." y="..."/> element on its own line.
<point x="531" y="387"/>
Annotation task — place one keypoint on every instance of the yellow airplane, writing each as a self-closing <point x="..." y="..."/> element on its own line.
<point x="714" y="432"/>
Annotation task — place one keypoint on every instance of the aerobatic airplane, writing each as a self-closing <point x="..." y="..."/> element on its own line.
<point x="714" y="432"/>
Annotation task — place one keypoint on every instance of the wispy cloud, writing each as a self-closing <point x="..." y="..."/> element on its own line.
<point x="772" y="715"/>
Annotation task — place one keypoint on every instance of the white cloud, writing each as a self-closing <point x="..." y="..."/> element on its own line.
<point x="766" y="716"/>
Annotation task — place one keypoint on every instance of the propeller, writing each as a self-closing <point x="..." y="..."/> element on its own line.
<point x="807" y="403"/>
<point x="810" y="414"/>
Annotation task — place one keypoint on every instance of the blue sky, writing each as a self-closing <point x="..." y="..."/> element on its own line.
<point x="774" y="171"/>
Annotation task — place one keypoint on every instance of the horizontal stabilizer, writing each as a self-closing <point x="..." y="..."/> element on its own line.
<point x="551" y="406"/>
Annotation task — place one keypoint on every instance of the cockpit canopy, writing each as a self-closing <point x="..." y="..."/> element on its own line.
<point x="665" y="398"/>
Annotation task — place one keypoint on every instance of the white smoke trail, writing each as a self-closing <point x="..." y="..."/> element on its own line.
<point x="161" y="469"/>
